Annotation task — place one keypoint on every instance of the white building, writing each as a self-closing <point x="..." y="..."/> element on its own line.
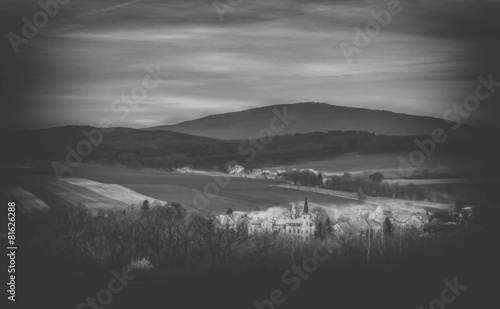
<point x="302" y="227"/>
<point x="236" y="169"/>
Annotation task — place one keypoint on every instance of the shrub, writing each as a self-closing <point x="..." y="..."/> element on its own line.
<point x="361" y="195"/>
<point x="140" y="265"/>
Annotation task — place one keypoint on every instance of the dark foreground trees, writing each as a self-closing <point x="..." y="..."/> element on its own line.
<point x="175" y="242"/>
<point x="388" y="226"/>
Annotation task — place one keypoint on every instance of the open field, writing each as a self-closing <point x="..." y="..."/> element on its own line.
<point x="26" y="201"/>
<point x="388" y="163"/>
<point x="104" y="187"/>
<point x="242" y="194"/>
<point x="107" y="187"/>
<point x="55" y="194"/>
<point x="421" y="182"/>
<point x="37" y="190"/>
<point x="114" y="192"/>
<point x="374" y="201"/>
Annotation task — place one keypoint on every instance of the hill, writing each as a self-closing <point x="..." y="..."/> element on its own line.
<point x="43" y="191"/>
<point x="308" y="117"/>
<point x="136" y="148"/>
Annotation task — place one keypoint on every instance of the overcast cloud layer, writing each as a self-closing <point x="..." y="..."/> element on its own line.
<point x="264" y="52"/>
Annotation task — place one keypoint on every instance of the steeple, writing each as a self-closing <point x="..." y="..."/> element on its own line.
<point x="306" y="207"/>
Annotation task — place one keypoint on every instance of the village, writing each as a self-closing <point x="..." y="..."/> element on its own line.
<point x="236" y="170"/>
<point x="299" y="221"/>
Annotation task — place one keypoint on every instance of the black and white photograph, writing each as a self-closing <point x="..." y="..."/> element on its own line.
<point x="250" y="154"/>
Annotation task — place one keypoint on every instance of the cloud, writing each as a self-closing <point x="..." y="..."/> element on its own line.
<point x="265" y="52"/>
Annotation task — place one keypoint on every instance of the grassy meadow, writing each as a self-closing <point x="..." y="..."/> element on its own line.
<point x="242" y="194"/>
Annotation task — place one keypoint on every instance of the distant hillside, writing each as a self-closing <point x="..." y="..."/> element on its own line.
<point x="309" y="117"/>
<point x="123" y="145"/>
<point x="163" y="149"/>
<point x="44" y="192"/>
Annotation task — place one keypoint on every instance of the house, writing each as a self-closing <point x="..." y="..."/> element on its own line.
<point x="267" y="226"/>
<point x="309" y="170"/>
<point x="183" y="170"/>
<point x="357" y="227"/>
<point x="354" y="228"/>
<point x="257" y="172"/>
<point x="423" y="216"/>
<point x="406" y="219"/>
<point x="270" y="174"/>
<point x="467" y="213"/>
<point x="377" y="216"/>
<point x="254" y="226"/>
<point x="293" y="227"/>
<point x="279" y="226"/>
<point x="298" y="223"/>
<point x="236" y="169"/>
<point x="238" y="215"/>
<point x="375" y="226"/>
<point x="302" y="227"/>
<point x="381" y="212"/>
<point x="385" y="208"/>
<point x="467" y="209"/>
<point x="401" y="218"/>
<point x="341" y="228"/>
<point x="224" y="220"/>
<point x="232" y="220"/>
<point x="362" y="211"/>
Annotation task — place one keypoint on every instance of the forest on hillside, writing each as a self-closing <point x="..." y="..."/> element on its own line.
<point x="168" y="150"/>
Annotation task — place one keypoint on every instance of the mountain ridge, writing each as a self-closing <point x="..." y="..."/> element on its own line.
<point x="309" y="117"/>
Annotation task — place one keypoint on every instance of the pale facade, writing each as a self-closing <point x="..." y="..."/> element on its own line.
<point x="302" y="227"/>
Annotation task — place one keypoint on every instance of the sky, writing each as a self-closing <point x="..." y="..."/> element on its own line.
<point x="263" y="52"/>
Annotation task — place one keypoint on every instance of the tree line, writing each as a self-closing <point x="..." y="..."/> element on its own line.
<point x="373" y="185"/>
<point x="174" y="241"/>
<point x="170" y="150"/>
